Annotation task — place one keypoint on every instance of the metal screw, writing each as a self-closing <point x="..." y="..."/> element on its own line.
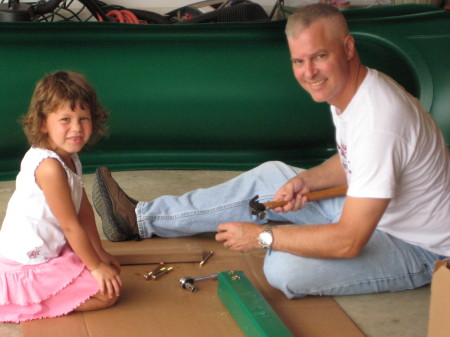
<point x="207" y="257"/>
<point x="154" y="271"/>
<point x="161" y="272"/>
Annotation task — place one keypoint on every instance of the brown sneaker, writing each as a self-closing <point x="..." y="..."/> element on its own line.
<point x="115" y="207"/>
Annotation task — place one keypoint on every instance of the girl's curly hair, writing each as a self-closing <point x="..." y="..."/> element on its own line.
<point x="52" y="92"/>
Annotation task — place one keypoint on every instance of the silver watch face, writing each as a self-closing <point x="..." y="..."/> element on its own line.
<point x="265" y="239"/>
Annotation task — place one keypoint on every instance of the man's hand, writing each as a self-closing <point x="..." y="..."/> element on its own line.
<point x="293" y="193"/>
<point x="239" y="236"/>
<point x="328" y="174"/>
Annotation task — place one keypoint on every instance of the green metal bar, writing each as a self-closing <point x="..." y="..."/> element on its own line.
<point x="250" y="310"/>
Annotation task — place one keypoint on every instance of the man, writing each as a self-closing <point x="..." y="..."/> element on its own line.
<point x="385" y="235"/>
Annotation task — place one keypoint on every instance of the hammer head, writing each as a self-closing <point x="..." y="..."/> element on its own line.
<point x="257" y="208"/>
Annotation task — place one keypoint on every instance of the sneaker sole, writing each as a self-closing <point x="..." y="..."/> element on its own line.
<point x="103" y="206"/>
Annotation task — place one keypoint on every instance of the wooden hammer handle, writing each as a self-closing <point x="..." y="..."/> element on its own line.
<point x="328" y="193"/>
<point x="312" y="196"/>
<point x="274" y="204"/>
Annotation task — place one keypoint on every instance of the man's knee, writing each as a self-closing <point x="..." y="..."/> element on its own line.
<point x="270" y="166"/>
<point x="266" y="167"/>
<point x="274" y="172"/>
<point x="295" y="276"/>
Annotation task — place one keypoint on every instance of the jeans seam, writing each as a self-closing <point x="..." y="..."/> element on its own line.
<point x="187" y="214"/>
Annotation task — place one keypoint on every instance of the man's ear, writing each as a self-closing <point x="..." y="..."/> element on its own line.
<point x="349" y="45"/>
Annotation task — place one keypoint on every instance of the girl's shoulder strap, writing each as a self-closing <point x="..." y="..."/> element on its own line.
<point x="37" y="155"/>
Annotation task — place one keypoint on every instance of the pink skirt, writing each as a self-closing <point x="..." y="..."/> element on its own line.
<point x="50" y="289"/>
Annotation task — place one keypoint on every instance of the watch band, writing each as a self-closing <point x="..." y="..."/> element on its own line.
<point x="268" y="229"/>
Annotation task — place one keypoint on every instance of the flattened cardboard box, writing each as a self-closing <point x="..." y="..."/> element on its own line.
<point x="162" y="308"/>
<point x="439" y="321"/>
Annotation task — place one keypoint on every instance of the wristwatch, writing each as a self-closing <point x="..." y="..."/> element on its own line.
<point x="266" y="238"/>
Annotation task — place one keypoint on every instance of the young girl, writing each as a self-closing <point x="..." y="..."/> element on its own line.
<point x="51" y="258"/>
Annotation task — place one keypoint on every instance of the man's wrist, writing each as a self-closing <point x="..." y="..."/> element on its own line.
<point x="265" y="238"/>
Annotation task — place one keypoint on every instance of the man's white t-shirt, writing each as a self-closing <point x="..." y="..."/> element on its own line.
<point x="390" y="147"/>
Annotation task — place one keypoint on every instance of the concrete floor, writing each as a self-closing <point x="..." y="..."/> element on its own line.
<point x="401" y="314"/>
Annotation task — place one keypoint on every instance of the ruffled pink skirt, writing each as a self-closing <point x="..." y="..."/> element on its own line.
<point x="45" y="290"/>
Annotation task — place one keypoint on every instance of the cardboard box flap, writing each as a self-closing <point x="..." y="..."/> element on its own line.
<point x="438" y="324"/>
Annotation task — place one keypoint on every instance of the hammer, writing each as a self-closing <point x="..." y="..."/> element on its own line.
<point x="258" y="209"/>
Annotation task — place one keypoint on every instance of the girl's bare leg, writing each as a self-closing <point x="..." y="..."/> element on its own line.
<point x="96" y="302"/>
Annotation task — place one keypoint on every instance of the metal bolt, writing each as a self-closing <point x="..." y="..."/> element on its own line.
<point x="207" y="257"/>
<point x="160" y="273"/>
<point x="154" y="271"/>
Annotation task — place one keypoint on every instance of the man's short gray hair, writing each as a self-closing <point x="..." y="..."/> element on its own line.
<point x="304" y="16"/>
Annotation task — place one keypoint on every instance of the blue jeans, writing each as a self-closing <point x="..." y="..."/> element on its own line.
<point x="385" y="264"/>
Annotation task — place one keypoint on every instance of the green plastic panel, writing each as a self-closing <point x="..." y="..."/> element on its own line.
<point x="248" y="307"/>
<point x="211" y="96"/>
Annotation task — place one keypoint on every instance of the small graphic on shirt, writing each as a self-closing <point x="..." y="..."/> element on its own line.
<point x="34" y="254"/>
<point x="342" y="148"/>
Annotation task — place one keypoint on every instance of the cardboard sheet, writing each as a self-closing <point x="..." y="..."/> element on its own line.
<point x="162" y="308"/>
<point x="156" y="251"/>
